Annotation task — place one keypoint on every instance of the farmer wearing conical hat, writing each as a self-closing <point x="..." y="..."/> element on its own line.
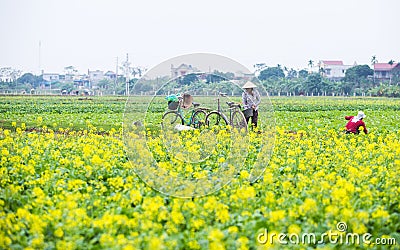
<point x="251" y="99"/>
<point x="355" y="122"/>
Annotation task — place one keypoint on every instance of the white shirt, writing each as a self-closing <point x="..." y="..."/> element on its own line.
<point x="251" y="99"/>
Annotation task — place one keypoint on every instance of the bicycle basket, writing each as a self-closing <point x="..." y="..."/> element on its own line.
<point x="173" y="105"/>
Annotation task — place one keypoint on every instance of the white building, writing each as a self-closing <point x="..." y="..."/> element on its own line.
<point x="95" y="76"/>
<point x="9" y="74"/>
<point x="6" y="78"/>
<point x="334" y="70"/>
<point x="51" y="77"/>
<point x="182" y="70"/>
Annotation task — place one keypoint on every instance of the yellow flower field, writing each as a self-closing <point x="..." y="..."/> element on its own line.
<point x="69" y="184"/>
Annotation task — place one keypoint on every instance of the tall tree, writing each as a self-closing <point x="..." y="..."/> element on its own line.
<point x="303" y="74"/>
<point x="311" y="64"/>
<point x="292" y="73"/>
<point x="358" y="74"/>
<point x="29" y="78"/>
<point x="313" y="83"/>
<point x="271" y="72"/>
<point x="259" y="66"/>
<point x="373" y="60"/>
<point x="391" y="62"/>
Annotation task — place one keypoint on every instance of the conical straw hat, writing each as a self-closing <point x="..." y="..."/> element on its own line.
<point x="249" y="85"/>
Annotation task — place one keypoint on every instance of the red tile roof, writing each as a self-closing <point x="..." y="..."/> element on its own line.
<point x="384" y="66"/>
<point x="333" y="62"/>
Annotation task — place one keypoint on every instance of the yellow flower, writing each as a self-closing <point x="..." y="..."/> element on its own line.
<point x="59" y="232"/>
<point x="135" y="196"/>
<point x="242" y="242"/>
<point x="380" y="213"/>
<point x="4" y="152"/>
<point x="177" y="217"/>
<point x="233" y="229"/>
<point x="194" y="245"/>
<point x="308" y="206"/>
<point x="222" y="215"/>
<point x="277" y="215"/>
<point x="215" y="235"/>
<point x="155" y="243"/>
<point x="294" y="229"/>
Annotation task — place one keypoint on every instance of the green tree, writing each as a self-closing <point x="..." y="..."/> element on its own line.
<point x="313" y="83"/>
<point x="29" y="78"/>
<point x="311" y="64"/>
<point x="391" y="62"/>
<point x="104" y="83"/>
<point x="291" y="73"/>
<point x="303" y="74"/>
<point x="271" y="72"/>
<point x="373" y="60"/>
<point x="358" y="74"/>
<point x="189" y="79"/>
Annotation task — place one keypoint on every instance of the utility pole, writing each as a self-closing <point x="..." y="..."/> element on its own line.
<point x="127" y="73"/>
<point x="116" y="77"/>
<point x="40" y="54"/>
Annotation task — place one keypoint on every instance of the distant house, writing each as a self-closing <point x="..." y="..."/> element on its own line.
<point x="244" y="75"/>
<point x="110" y="75"/>
<point x="81" y="81"/>
<point x="66" y="78"/>
<point x="9" y="74"/>
<point x="182" y="70"/>
<point x="384" y="71"/>
<point x="95" y="76"/>
<point x="51" y="77"/>
<point x="5" y="78"/>
<point x="334" y="70"/>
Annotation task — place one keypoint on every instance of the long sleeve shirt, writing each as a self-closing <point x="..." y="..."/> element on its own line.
<point x="353" y="127"/>
<point x="251" y="99"/>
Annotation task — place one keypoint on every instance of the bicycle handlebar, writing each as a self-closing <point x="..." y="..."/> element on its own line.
<point x="233" y="104"/>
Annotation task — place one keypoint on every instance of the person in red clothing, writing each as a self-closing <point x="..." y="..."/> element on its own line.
<point x="355" y="122"/>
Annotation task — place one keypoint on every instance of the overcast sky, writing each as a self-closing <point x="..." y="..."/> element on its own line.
<point x="91" y="34"/>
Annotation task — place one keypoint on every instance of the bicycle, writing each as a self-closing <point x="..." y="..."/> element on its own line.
<point x="176" y="116"/>
<point x="236" y="117"/>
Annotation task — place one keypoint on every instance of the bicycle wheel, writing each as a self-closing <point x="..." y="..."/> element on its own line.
<point x="215" y="118"/>
<point x="199" y="118"/>
<point x="239" y="121"/>
<point x="170" y="120"/>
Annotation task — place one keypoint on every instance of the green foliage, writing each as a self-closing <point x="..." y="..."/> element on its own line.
<point x="189" y="79"/>
<point x="385" y="90"/>
<point x="218" y="76"/>
<point x="358" y="74"/>
<point x="271" y="72"/>
<point x="303" y="74"/>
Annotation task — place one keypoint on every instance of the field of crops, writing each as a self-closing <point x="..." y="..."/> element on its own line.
<point x="68" y="181"/>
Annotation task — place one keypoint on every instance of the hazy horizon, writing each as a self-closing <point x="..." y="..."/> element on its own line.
<point x="92" y="34"/>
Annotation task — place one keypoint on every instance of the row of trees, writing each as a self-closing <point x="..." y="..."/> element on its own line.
<point x="276" y="80"/>
<point x="29" y="81"/>
<point x="358" y="79"/>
